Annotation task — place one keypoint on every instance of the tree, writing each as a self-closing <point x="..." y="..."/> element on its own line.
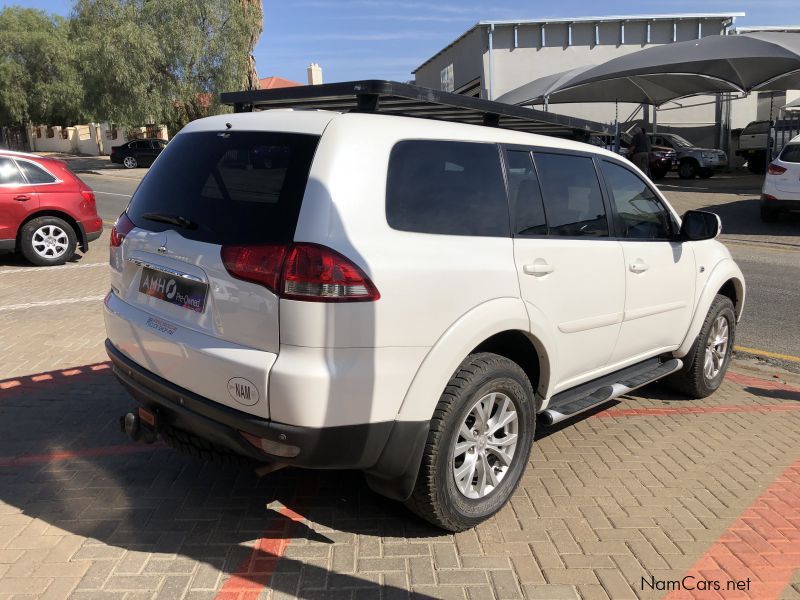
<point x="147" y="61"/>
<point x="38" y="77"/>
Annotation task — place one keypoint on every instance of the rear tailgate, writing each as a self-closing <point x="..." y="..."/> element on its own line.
<point x="175" y="309"/>
<point x="789" y="180"/>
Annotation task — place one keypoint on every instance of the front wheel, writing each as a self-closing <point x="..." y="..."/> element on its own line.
<point x="478" y="445"/>
<point x="706" y="363"/>
<point x="130" y="162"/>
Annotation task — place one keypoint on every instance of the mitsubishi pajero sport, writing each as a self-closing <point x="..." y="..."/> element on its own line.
<point x="403" y="296"/>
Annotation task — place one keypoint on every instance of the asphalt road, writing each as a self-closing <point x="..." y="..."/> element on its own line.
<point x="768" y="254"/>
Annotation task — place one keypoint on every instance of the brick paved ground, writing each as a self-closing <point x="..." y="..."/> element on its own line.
<point x="654" y="486"/>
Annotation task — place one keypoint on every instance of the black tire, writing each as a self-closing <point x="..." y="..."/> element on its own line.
<point x="26" y="241"/>
<point x="756" y="164"/>
<point x="436" y="497"/>
<point x="687" y="169"/>
<point x="691" y="379"/>
<point x="706" y="173"/>
<point x="658" y="173"/>
<point x="768" y="215"/>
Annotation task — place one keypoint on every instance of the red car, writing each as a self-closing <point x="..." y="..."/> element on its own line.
<point x="46" y="212"/>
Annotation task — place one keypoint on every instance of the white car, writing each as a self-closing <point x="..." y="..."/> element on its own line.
<point x="402" y="296"/>
<point x="781" y="191"/>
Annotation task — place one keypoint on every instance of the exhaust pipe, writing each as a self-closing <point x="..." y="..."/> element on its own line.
<point x="132" y="426"/>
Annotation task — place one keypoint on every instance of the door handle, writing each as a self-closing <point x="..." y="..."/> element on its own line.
<point x="639" y="266"/>
<point x="538" y="268"/>
<point x="22" y="198"/>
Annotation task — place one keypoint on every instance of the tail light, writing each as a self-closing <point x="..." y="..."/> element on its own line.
<point x="301" y="272"/>
<point x="768" y="197"/>
<point x="88" y="195"/>
<point x="774" y="169"/>
<point x="121" y="228"/>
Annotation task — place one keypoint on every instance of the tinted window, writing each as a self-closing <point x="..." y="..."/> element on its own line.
<point x="34" y="173"/>
<point x="141" y="145"/>
<point x="640" y="215"/>
<point x="791" y="153"/>
<point x="237" y="187"/>
<point x="9" y="174"/>
<point x="573" y="202"/>
<point x="453" y="188"/>
<point x="526" y="198"/>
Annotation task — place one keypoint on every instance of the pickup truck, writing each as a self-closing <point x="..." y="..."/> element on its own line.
<point x="753" y="141"/>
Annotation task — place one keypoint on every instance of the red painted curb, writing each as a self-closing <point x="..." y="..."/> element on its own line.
<point x="761" y="549"/>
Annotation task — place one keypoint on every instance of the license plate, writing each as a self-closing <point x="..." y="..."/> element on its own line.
<point x="173" y="289"/>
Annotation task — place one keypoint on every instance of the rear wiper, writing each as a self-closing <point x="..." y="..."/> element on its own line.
<point x="177" y="220"/>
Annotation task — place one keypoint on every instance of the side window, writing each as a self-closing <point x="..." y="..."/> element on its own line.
<point x="141" y="145"/>
<point x="34" y="174"/>
<point x="573" y="201"/>
<point x="640" y="215"/>
<point x="9" y="173"/>
<point x="453" y="188"/>
<point x="526" y="198"/>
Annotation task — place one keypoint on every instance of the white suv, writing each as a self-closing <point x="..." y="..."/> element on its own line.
<point x="402" y="296"/>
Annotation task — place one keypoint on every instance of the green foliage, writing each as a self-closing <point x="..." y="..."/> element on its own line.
<point x="132" y="62"/>
<point x="38" y="79"/>
<point x="163" y="61"/>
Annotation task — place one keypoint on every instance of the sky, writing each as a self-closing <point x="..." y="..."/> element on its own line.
<point x="388" y="39"/>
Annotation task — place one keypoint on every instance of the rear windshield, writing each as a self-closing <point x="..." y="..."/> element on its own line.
<point x="791" y="153"/>
<point x="230" y="187"/>
<point x="756" y="127"/>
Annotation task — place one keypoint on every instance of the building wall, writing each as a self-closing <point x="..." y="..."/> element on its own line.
<point x="93" y="139"/>
<point x="466" y="56"/>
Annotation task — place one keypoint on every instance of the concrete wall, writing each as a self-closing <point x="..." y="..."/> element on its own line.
<point x="93" y="139"/>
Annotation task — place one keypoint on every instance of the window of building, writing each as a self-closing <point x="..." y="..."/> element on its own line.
<point x="573" y="202"/>
<point x="453" y="188"/>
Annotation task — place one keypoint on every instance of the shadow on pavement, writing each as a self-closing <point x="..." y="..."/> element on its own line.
<point x="64" y="461"/>
<point x="744" y="217"/>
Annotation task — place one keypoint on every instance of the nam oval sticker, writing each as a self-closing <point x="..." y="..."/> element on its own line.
<point x="243" y="391"/>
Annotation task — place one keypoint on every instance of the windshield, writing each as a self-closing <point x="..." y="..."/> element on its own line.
<point x="679" y="141"/>
<point x="232" y="187"/>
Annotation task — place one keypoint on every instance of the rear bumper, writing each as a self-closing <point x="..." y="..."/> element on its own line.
<point x="389" y="451"/>
<point x="89" y="231"/>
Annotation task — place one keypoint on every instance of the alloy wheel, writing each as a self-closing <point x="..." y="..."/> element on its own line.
<point x="50" y="241"/>
<point x="716" y="347"/>
<point x="485" y="445"/>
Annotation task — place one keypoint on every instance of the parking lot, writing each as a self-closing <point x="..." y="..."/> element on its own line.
<point x="619" y="503"/>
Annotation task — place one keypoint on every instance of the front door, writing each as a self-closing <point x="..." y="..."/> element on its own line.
<point x="659" y="270"/>
<point x="570" y="271"/>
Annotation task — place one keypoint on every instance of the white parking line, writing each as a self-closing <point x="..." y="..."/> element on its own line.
<point x="27" y="305"/>
<point x="10" y="271"/>
<point x="112" y="193"/>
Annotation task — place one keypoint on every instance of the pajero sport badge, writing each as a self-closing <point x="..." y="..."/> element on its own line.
<point x="243" y="391"/>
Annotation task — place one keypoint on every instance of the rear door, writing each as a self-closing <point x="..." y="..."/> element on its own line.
<point x="18" y="198"/>
<point x="659" y="271"/>
<point x="210" y="190"/>
<point x="570" y="270"/>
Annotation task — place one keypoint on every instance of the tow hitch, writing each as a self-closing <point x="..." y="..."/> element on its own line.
<point x="139" y="426"/>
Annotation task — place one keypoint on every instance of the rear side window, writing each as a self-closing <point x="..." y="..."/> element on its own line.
<point x="573" y="201"/>
<point x="234" y="187"/>
<point x="523" y="190"/>
<point x="9" y="173"/>
<point x="791" y="153"/>
<point x="34" y="173"/>
<point x="453" y="188"/>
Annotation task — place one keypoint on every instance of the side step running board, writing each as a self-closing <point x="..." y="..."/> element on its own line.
<point x="572" y="402"/>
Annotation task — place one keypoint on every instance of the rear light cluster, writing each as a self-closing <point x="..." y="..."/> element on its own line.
<point x="300" y="272"/>
<point x="88" y="195"/>
<point x="774" y="169"/>
<point x="121" y="228"/>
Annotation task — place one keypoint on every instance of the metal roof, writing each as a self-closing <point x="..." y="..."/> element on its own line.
<point x="786" y="28"/>
<point x="402" y="99"/>
<point x="610" y="18"/>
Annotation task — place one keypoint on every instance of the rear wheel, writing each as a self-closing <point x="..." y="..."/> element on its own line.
<point x="757" y="163"/>
<point x="687" y="169"/>
<point x="47" y="241"/>
<point x="705" y="366"/>
<point x="478" y="445"/>
<point x="658" y="173"/>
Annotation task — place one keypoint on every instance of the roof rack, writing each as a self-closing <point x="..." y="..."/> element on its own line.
<point x="394" y="98"/>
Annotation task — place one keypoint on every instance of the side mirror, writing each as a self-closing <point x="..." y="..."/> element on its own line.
<point x="698" y="225"/>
